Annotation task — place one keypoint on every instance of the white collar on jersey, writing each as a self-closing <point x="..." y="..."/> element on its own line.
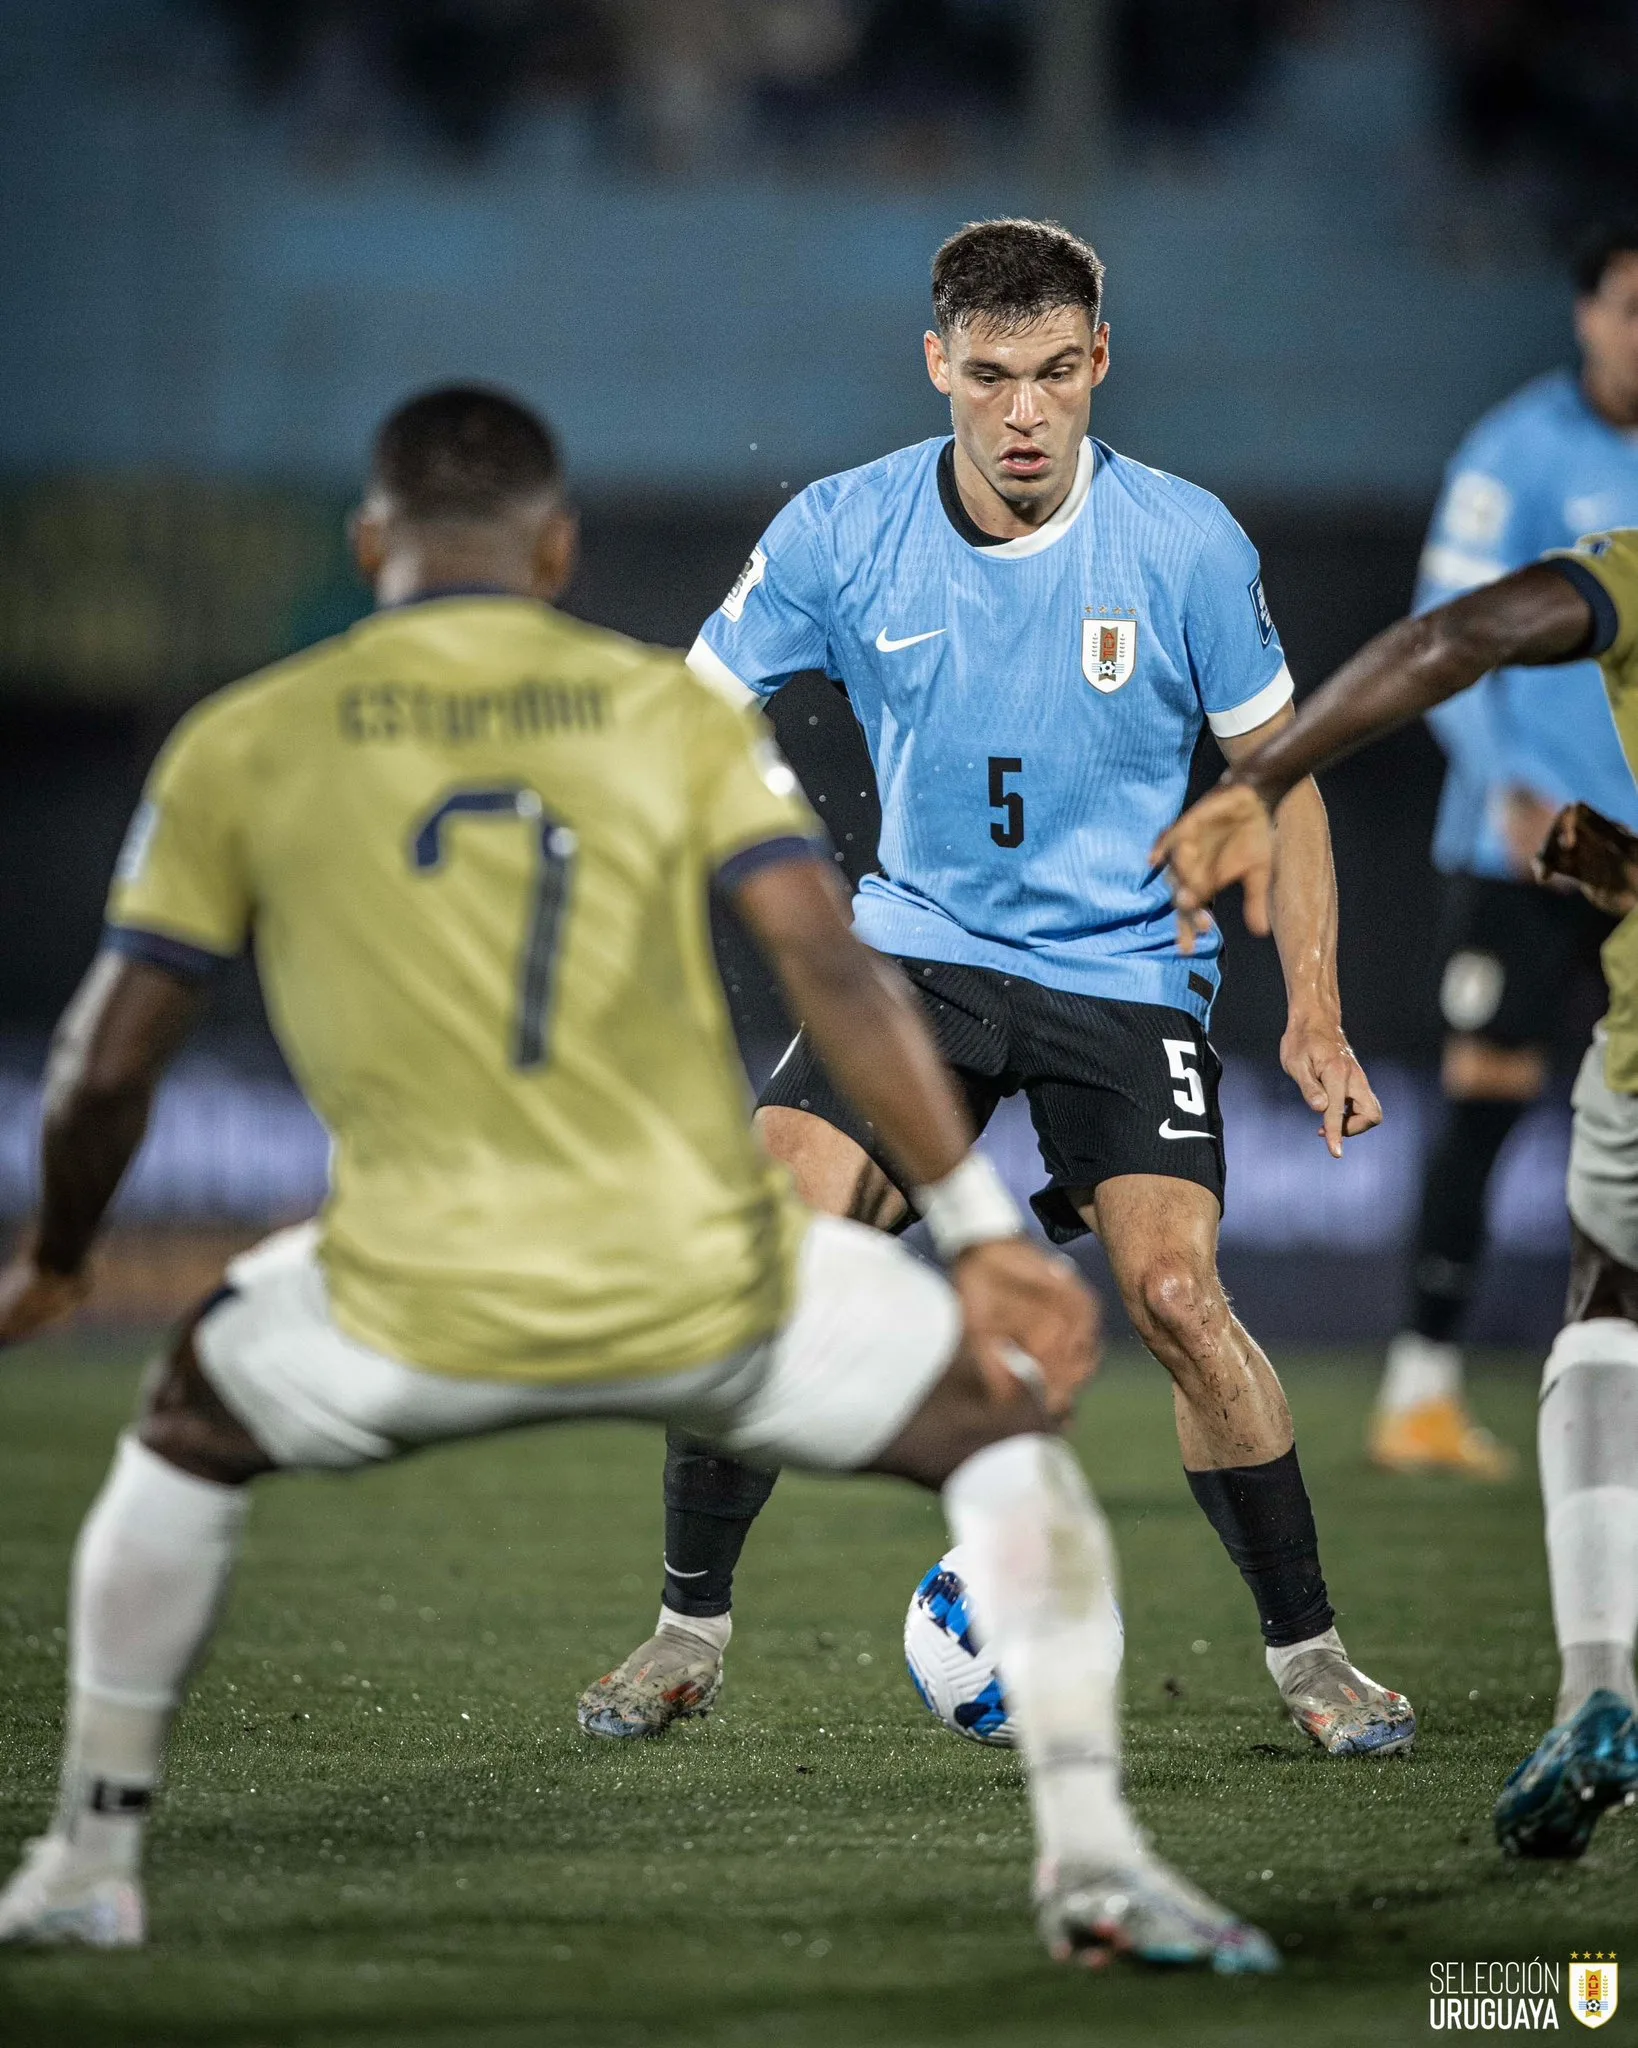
<point x="1061" y="521"/>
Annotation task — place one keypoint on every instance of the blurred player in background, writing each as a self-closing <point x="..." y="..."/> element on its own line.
<point x="1578" y="605"/>
<point x="473" y="839"/>
<point x="1033" y="632"/>
<point x="1556" y="460"/>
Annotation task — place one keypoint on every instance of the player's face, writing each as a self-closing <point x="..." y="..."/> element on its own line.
<point x="1607" y="325"/>
<point x="1021" y="400"/>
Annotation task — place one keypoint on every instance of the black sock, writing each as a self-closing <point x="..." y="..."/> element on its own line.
<point x="1450" y="1234"/>
<point x="1263" y="1516"/>
<point x="710" y="1503"/>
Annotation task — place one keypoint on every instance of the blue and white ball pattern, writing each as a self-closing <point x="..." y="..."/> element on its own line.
<point x="949" y="1666"/>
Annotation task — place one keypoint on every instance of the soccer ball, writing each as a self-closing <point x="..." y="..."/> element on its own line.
<point x="949" y="1666"/>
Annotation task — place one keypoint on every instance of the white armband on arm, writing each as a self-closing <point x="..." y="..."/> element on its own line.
<point x="969" y="1206"/>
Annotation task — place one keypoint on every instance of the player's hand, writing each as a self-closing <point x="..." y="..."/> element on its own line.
<point x="31" y="1298"/>
<point x="1017" y="1297"/>
<point x="1320" y="1060"/>
<point x="1597" y="855"/>
<point x="1227" y="837"/>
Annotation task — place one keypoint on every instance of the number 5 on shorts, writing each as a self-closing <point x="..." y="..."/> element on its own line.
<point x="538" y="965"/>
<point x="1191" y="1097"/>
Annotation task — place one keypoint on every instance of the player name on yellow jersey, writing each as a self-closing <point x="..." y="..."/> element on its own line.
<point x="523" y="710"/>
<point x="472" y="842"/>
<point x="1610" y="560"/>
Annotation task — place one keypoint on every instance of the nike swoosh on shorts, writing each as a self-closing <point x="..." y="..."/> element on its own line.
<point x="886" y="646"/>
<point x="1166" y="1131"/>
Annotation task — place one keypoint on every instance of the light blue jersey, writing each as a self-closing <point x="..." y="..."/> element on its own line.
<point x="1536" y="473"/>
<point x="1031" y="705"/>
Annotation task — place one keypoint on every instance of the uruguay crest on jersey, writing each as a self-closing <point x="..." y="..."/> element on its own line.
<point x="1108" y="652"/>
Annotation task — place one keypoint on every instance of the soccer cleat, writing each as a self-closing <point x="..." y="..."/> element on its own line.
<point x="54" y="1900"/>
<point x="1438" y="1436"/>
<point x="1141" y="1908"/>
<point x="1552" y="1802"/>
<point x="669" y="1678"/>
<point x="1345" y="1712"/>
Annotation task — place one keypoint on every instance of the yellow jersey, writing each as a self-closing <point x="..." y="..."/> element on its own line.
<point x="472" y="842"/>
<point x="1604" y="567"/>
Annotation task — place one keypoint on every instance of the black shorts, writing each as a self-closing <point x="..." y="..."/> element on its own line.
<point x="1112" y="1087"/>
<point x="1515" y="957"/>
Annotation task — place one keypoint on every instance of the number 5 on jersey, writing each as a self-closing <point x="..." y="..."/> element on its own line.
<point x="1008" y="830"/>
<point x="537" y="968"/>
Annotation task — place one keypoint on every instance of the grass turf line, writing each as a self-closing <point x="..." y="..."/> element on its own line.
<point x="382" y="1826"/>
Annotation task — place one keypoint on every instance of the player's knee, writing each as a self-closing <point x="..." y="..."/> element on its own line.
<point x="962" y="1415"/>
<point x="183" y="1420"/>
<point x="1172" y="1298"/>
<point x="1601" y="1286"/>
<point x="1478" y="1070"/>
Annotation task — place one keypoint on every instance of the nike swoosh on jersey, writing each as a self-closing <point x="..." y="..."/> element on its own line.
<point x="1166" y="1131"/>
<point x="886" y="646"/>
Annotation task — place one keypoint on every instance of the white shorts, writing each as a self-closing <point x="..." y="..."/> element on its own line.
<point x="872" y="1331"/>
<point x="1602" y="1185"/>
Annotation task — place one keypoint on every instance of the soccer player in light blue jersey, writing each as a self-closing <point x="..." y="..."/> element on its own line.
<point x="1556" y="460"/>
<point x="1033" y="631"/>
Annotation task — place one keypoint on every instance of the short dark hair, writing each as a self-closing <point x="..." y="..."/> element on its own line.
<point x="1009" y="272"/>
<point x="1597" y="249"/>
<point x="464" y="452"/>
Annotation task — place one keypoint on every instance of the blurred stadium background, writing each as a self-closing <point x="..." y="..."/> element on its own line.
<point x="697" y="233"/>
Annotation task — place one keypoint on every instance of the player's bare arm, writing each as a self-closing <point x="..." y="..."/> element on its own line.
<point x="871" y="1035"/>
<point x="1531" y="618"/>
<point x="115" y="1040"/>
<point x="1303" y="907"/>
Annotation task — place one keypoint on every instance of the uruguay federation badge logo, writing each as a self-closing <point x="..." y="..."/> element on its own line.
<point x="1108" y="652"/>
<point x="745" y="582"/>
<point x="1594" y="1991"/>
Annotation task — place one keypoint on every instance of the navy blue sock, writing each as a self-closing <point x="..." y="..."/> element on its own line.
<point x="1266" y="1523"/>
<point x="1450" y="1230"/>
<point x="710" y="1503"/>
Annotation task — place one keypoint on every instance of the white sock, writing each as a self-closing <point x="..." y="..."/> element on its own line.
<point x="150" y="1568"/>
<point x="714" y="1629"/>
<point x="1587" y="1445"/>
<point x="1280" y="1661"/>
<point x="1038" y="1566"/>
<point x="1419" y="1370"/>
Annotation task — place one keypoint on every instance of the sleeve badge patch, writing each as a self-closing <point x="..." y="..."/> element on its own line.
<point x="1476" y="510"/>
<point x="749" y="577"/>
<point x="1259" y="605"/>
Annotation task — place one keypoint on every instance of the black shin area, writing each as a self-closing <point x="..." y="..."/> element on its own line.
<point x="1450" y="1234"/>
<point x="1263" y="1517"/>
<point x="710" y="1503"/>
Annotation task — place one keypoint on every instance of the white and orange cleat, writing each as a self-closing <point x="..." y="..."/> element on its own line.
<point x="1421" y="1422"/>
<point x="1438" y="1436"/>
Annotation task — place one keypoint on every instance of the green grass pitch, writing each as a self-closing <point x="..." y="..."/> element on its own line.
<point x="383" y="1827"/>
